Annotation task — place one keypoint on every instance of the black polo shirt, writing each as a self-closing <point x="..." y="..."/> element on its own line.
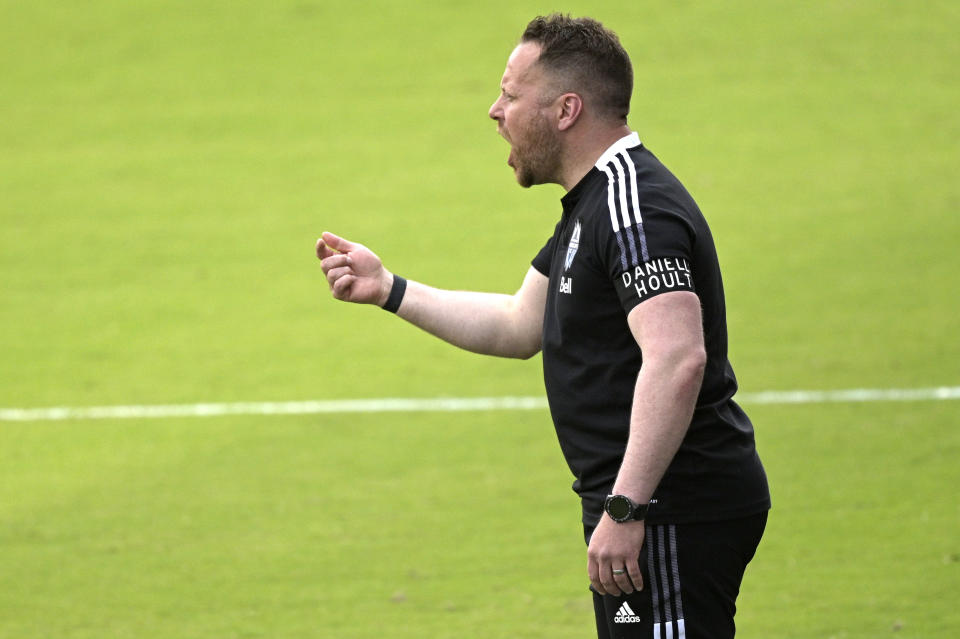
<point x="629" y="232"/>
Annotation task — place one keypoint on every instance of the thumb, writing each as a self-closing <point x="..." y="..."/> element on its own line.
<point x="338" y="243"/>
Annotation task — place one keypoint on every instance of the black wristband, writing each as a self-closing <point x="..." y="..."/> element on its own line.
<point x="396" y="294"/>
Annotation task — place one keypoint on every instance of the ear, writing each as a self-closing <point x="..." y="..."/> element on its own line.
<point x="571" y="106"/>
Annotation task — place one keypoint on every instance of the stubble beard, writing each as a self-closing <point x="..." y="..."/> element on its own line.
<point x="537" y="160"/>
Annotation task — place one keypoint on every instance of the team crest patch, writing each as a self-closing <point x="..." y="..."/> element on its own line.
<point x="572" y="248"/>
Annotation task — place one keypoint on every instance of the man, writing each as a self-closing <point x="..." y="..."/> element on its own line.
<point x="626" y="303"/>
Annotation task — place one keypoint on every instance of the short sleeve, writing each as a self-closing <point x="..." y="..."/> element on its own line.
<point x="650" y="254"/>
<point x="544" y="258"/>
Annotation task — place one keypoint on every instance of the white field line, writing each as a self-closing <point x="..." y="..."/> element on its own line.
<point x="440" y="404"/>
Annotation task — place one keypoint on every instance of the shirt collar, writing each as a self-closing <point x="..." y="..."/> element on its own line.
<point x="626" y="142"/>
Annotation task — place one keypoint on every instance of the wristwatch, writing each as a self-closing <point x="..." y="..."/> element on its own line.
<point x="622" y="509"/>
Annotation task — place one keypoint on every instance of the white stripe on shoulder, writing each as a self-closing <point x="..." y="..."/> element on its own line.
<point x="610" y="198"/>
<point x="632" y="183"/>
<point x="625" y="209"/>
<point x="635" y="197"/>
<point x="622" y="194"/>
<point x="626" y="142"/>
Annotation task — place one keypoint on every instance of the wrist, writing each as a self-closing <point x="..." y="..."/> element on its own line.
<point x="386" y="283"/>
<point x="639" y="494"/>
<point x="393" y="293"/>
<point x="623" y="509"/>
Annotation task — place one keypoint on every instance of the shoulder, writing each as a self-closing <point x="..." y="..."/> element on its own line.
<point x="658" y="186"/>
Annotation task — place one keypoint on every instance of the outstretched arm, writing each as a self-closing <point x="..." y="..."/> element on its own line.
<point x="487" y="323"/>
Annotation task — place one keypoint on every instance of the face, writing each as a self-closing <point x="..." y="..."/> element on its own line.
<point x="522" y="118"/>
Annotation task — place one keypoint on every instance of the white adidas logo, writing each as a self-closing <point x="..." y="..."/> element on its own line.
<point x="626" y="615"/>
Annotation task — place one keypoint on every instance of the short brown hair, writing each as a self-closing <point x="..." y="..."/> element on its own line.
<point x="587" y="58"/>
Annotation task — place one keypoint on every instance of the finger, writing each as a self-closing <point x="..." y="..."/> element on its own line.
<point x="622" y="577"/>
<point x="335" y="274"/>
<point x="323" y="251"/>
<point x="609" y="583"/>
<point x="633" y="569"/>
<point x="334" y="261"/>
<point x="338" y="243"/>
<point x="593" y="571"/>
<point x="341" y="288"/>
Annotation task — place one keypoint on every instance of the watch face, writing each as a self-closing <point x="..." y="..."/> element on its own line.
<point x="619" y="507"/>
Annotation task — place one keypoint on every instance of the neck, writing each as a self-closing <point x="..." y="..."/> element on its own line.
<point x="585" y="148"/>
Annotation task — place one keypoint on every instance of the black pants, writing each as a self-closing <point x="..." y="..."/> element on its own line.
<point x="691" y="576"/>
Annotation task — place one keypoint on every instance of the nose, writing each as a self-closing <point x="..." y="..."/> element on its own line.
<point x="496" y="112"/>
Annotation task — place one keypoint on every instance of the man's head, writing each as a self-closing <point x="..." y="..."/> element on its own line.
<point x="565" y="71"/>
<point x="581" y="56"/>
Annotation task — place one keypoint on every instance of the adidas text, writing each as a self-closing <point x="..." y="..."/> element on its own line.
<point x="626" y="615"/>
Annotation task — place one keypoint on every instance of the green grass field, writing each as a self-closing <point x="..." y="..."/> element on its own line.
<point x="165" y="168"/>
